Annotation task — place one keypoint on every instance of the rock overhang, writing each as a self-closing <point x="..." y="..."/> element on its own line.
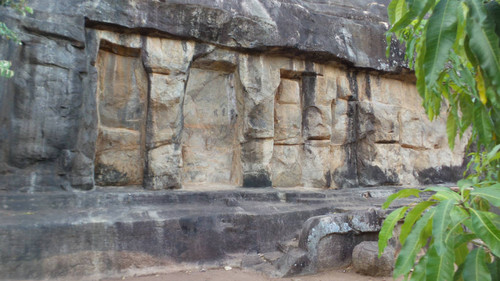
<point x="351" y="32"/>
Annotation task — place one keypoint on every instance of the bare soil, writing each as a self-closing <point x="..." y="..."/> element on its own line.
<point x="245" y="275"/>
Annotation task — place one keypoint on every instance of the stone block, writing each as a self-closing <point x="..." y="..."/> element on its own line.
<point x="343" y="88"/>
<point x="340" y="122"/>
<point x="209" y="165"/>
<point x="126" y="40"/>
<point x="316" y="164"/>
<point x="365" y="259"/>
<point x="317" y="120"/>
<point x="164" y="167"/>
<point x="327" y="90"/>
<point x="288" y="92"/>
<point x="386" y="90"/>
<point x="343" y="166"/>
<point x="259" y="120"/>
<point x="168" y="56"/>
<point x="258" y="77"/>
<point x="256" y="158"/>
<point x="379" y="122"/>
<point x="167" y="90"/>
<point x="217" y="59"/>
<point x="379" y="164"/>
<point x="411" y="98"/>
<point x="412" y="129"/>
<point x="418" y="132"/>
<point x="117" y="138"/>
<point x="165" y="106"/>
<point x="289" y="68"/>
<point x="394" y="92"/>
<point x="119" y="167"/>
<point x="288" y="123"/>
<point x="260" y="81"/>
<point x="286" y="165"/>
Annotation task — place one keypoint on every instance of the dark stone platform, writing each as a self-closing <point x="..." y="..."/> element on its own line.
<point x="105" y="231"/>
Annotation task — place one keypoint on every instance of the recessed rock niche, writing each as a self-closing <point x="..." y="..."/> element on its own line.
<point x="175" y="113"/>
<point x="122" y="93"/>
<point x="211" y="151"/>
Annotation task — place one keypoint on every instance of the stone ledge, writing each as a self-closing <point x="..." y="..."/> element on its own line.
<point x="60" y="234"/>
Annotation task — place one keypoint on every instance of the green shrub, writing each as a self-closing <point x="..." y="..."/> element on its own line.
<point x="20" y="7"/>
<point x="454" y="48"/>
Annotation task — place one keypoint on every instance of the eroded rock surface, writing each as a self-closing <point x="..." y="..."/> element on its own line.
<point x="256" y="93"/>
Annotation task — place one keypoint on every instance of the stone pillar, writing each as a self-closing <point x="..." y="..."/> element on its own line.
<point x="288" y="142"/>
<point x="260" y="82"/>
<point x="317" y="122"/>
<point x="343" y="146"/>
<point x="167" y="62"/>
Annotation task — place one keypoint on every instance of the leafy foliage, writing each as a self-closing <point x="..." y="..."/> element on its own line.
<point x="451" y="223"/>
<point x="457" y="59"/>
<point x="20" y="7"/>
<point x="454" y="48"/>
<point x="5" y="69"/>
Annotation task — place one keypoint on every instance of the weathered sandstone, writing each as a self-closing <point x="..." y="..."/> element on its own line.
<point x="255" y="93"/>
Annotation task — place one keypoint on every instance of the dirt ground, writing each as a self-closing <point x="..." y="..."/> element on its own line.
<point x="244" y="275"/>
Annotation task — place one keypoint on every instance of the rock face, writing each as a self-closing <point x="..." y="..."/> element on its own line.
<point x="256" y="93"/>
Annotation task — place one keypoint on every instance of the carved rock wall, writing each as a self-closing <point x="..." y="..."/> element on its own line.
<point x="212" y="92"/>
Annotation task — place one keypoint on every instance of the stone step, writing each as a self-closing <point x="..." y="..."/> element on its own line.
<point x="108" y="231"/>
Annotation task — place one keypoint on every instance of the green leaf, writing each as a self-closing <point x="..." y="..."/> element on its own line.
<point x="494" y="154"/>
<point x="466" y="104"/>
<point x="443" y="193"/>
<point x="486" y="230"/>
<point x="458" y="273"/>
<point x="440" y="37"/>
<point x="458" y="47"/>
<point x="396" y="10"/>
<point x="4" y="69"/>
<point x="412" y="217"/>
<point x="440" y="265"/>
<point x="8" y="33"/>
<point x="464" y="239"/>
<point x="494" y="268"/>
<point x="482" y="124"/>
<point x="475" y="268"/>
<point x="495" y="116"/>
<point x="388" y="226"/>
<point x="490" y="193"/>
<point x="451" y="129"/>
<point x="493" y="9"/>
<point x="440" y="224"/>
<point x="403" y="193"/>
<point x="419" y="273"/>
<point x="455" y="230"/>
<point x="418" y="9"/>
<point x="481" y="86"/>
<point x="415" y="241"/>
<point x="461" y="253"/>
<point x="484" y="42"/>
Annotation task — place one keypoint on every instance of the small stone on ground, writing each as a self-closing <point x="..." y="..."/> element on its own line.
<point x="365" y="259"/>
